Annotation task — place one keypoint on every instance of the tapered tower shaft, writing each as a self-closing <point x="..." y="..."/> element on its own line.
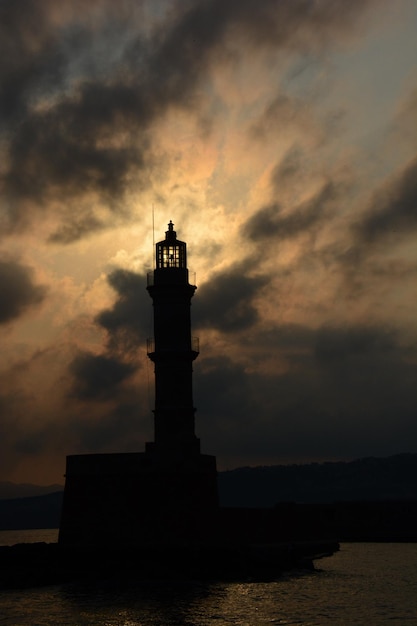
<point x="173" y="349"/>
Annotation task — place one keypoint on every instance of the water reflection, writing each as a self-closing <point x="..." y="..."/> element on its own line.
<point x="363" y="584"/>
<point x="187" y="603"/>
<point x="144" y="604"/>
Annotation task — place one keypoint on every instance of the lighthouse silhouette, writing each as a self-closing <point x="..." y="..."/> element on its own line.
<point x="167" y="494"/>
<point x="173" y="350"/>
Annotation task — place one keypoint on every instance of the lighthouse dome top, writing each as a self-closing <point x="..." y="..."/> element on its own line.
<point x="170" y="233"/>
<point x="171" y="253"/>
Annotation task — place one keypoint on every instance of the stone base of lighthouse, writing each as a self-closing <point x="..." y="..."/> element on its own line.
<point x="138" y="499"/>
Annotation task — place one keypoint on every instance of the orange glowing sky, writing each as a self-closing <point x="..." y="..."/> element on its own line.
<point x="279" y="136"/>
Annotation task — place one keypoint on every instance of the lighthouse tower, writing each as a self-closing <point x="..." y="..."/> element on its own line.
<point x="188" y="478"/>
<point x="172" y="350"/>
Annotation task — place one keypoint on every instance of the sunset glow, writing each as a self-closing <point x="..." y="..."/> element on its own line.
<point x="279" y="137"/>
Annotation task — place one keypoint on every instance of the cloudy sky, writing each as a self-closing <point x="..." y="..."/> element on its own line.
<point x="280" y="138"/>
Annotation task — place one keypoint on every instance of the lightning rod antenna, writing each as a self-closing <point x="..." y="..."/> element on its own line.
<point x="153" y="236"/>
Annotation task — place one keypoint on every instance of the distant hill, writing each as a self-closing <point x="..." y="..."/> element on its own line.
<point x="370" y="479"/>
<point x="35" y="512"/>
<point x="365" y="480"/>
<point x="11" y="490"/>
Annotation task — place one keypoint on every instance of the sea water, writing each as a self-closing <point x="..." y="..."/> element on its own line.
<point x="365" y="584"/>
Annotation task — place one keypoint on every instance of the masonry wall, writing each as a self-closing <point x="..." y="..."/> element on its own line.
<point x="135" y="499"/>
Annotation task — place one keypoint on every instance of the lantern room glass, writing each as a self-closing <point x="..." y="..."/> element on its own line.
<point x="171" y="253"/>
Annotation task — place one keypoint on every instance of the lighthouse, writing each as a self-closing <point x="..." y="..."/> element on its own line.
<point x="168" y="493"/>
<point x="173" y="349"/>
<point x="189" y="478"/>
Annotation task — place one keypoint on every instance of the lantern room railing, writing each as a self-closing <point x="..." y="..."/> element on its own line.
<point x="150" y="278"/>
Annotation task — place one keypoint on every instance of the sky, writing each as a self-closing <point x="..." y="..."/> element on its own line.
<point x="280" y="138"/>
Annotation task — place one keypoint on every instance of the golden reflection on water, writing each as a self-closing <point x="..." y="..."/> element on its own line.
<point x="362" y="584"/>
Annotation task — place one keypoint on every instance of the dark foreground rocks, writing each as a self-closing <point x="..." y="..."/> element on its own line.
<point x="38" y="564"/>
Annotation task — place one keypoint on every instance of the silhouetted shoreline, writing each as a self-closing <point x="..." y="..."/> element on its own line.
<point x="30" y="565"/>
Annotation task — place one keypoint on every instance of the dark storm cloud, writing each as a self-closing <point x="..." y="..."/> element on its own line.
<point x="80" y="114"/>
<point x="338" y="344"/>
<point x="14" y="438"/>
<point x="107" y="381"/>
<point x="28" y="56"/>
<point x="18" y="292"/>
<point x="330" y="345"/>
<point x="85" y="224"/>
<point x="290" y="166"/>
<point x="119" y="428"/>
<point x="344" y="391"/>
<point x="92" y="407"/>
<point x="128" y="320"/>
<point x="282" y="112"/>
<point x="120" y="424"/>
<point x="266" y="23"/>
<point x="66" y="153"/>
<point x="59" y="147"/>
<point x="270" y="222"/>
<point x="24" y="428"/>
<point x="72" y="147"/>
<point x="225" y="403"/>
<point x="98" y="376"/>
<point x="393" y="209"/>
<point x="226" y="302"/>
